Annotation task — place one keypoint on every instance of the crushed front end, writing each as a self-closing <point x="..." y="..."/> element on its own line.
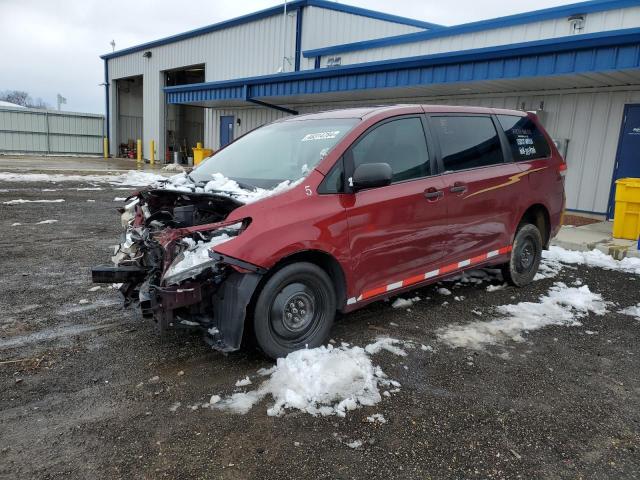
<point x="167" y="265"/>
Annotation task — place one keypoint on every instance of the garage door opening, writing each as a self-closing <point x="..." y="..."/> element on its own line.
<point x="130" y="120"/>
<point x="184" y="123"/>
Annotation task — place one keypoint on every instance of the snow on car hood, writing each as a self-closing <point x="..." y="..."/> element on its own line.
<point x="221" y="185"/>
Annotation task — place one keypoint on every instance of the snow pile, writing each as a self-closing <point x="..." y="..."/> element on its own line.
<point x="225" y="186"/>
<point x="404" y="302"/>
<point x="244" y="382"/>
<point x="555" y="257"/>
<point x="20" y="200"/>
<point x="376" y="418"/>
<point x="561" y="306"/>
<point x="46" y="222"/>
<point x="633" y="311"/>
<point x="495" y="288"/>
<point x="388" y="344"/>
<point x="320" y="381"/>
<point x="444" y="291"/>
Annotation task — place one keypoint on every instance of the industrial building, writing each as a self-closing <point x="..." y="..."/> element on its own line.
<point x="577" y="66"/>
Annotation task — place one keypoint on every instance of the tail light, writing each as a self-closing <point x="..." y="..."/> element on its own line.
<point x="562" y="169"/>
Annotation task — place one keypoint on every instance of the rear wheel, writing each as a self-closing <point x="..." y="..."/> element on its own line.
<point x="525" y="256"/>
<point x="294" y="310"/>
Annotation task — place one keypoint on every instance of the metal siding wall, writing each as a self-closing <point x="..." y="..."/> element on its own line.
<point x="590" y="120"/>
<point x="25" y="131"/>
<point x="258" y="44"/>
<point x="595" y="22"/>
<point x="322" y="28"/>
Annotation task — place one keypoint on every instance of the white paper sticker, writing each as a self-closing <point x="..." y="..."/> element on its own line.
<point x="320" y="136"/>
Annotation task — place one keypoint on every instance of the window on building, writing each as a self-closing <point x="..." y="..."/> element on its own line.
<point x="525" y="139"/>
<point x="400" y="143"/>
<point x="467" y="142"/>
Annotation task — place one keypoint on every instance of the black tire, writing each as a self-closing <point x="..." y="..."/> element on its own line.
<point x="295" y="309"/>
<point x="525" y="256"/>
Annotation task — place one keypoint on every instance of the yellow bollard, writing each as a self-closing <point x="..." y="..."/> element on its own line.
<point x="152" y="154"/>
<point x="139" y="150"/>
<point x="105" y="147"/>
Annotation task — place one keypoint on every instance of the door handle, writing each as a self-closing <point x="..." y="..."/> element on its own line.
<point x="433" y="194"/>
<point x="458" y="188"/>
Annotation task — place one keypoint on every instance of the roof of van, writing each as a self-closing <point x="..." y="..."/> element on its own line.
<point x="364" y="112"/>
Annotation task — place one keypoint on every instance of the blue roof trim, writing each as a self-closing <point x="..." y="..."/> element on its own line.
<point x="568" y="55"/>
<point x="518" y="19"/>
<point x="270" y="12"/>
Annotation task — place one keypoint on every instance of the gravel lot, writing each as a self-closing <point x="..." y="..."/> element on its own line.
<point x="81" y="402"/>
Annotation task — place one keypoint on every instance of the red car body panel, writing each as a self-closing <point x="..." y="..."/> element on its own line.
<point x="392" y="236"/>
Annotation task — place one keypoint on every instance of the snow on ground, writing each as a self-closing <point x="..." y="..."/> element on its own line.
<point x="320" y="381"/>
<point x="554" y="259"/>
<point x="20" y="200"/>
<point x="388" y="344"/>
<point x="563" y="305"/>
<point x="633" y="311"/>
<point x="495" y="288"/>
<point x="244" y="382"/>
<point x="45" y="222"/>
<point x="119" y="199"/>
<point x="376" y="418"/>
<point x="404" y="302"/>
<point x="131" y="178"/>
<point x="444" y="291"/>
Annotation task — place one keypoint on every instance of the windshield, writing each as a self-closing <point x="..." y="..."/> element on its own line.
<point x="277" y="152"/>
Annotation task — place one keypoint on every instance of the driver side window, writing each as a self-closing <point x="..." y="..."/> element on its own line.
<point x="400" y="143"/>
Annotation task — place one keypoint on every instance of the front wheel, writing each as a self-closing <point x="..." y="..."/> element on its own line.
<point x="295" y="309"/>
<point x="525" y="256"/>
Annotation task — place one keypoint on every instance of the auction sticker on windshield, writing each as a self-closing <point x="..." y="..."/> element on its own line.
<point x="320" y="136"/>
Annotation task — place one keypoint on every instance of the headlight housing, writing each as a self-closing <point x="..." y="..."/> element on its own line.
<point x="195" y="258"/>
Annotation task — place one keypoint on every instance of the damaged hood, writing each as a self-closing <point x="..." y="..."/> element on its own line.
<point x="172" y="226"/>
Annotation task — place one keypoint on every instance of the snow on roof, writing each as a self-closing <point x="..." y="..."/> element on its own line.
<point x="4" y="104"/>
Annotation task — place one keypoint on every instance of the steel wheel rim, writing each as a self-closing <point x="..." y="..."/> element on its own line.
<point x="295" y="313"/>
<point x="526" y="255"/>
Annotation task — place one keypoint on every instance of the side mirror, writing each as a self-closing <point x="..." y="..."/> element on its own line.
<point x="372" y="175"/>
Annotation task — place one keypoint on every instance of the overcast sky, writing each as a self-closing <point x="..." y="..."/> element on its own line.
<point x="52" y="46"/>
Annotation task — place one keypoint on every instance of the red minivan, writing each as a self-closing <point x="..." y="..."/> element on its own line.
<point x="327" y="212"/>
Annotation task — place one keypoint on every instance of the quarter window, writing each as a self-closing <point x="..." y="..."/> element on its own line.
<point x="525" y="139"/>
<point x="467" y="142"/>
<point x="401" y="144"/>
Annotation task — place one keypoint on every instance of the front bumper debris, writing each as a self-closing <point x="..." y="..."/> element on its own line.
<point x="117" y="274"/>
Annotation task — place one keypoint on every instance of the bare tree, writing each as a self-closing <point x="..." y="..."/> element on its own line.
<point x="16" y="96"/>
<point x="23" y="99"/>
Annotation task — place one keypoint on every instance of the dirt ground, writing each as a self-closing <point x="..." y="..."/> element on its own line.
<point x="82" y="401"/>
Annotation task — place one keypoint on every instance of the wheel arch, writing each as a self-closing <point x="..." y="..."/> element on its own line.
<point x="322" y="259"/>
<point x="538" y="215"/>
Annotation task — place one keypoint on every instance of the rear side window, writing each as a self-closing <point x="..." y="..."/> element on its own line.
<point x="467" y="142"/>
<point x="400" y="143"/>
<point x="525" y="139"/>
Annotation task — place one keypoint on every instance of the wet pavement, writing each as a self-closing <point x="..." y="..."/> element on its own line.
<point x="80" y="398"/>
<point x="78" y="164"/>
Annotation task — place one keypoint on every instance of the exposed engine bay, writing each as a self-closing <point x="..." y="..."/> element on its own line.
<point x="167" y="266"/>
